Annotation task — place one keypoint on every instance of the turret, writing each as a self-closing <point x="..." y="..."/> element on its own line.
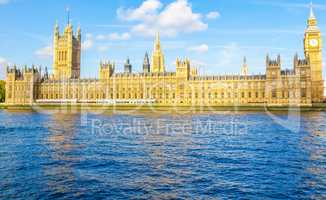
<point x="106" y="69"/>
<point x="32" y="74"/>
<point x="295" y="59"/>
<point x="273" y="63"/>
<point x="13" y="73"/>
<point x="127" y="66"/>
<point x="79" y="33"/>
<point x="193" y="72"/>
<point x="69" y="34"/>
<point x="273" y="67"/>
<point x="20" y="85"/>
<point x="244" y="68"/>
<point x="273" y="79"/>
<point x="46" y="74"/>
<point x="301" y="67"/>
<point x="183" y="68"/>
<point x="146" y="64"/>
<point x="56" y="30"/>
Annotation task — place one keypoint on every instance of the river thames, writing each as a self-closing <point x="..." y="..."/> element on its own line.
<point x="225" y="155"/>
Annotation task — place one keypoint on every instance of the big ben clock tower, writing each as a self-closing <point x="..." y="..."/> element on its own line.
<point x="313" y="50"/>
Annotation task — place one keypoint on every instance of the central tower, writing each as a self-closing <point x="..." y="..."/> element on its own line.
<point x="313" y="46"/>
<point x="158" y="56"/>
<point x="66" y="53"/>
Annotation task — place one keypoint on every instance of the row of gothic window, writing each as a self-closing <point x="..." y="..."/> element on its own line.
<point x="62" y="55"/>
<point x="284" y="94"/>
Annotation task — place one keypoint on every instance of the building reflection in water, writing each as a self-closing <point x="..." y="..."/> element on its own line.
<point x="314" y="125"/>
<point x="60" y="145"/>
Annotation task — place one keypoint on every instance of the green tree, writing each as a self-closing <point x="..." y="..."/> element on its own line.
<point x="2" y="91"/>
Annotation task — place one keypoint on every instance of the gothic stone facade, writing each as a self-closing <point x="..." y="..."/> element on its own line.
<point x="300" y="86"/>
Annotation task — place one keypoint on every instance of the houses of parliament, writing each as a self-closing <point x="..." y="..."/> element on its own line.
<point x="300" y="86"/>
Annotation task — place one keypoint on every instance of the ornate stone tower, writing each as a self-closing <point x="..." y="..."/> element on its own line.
<point x="66" y="56"/>
<point x="273" y="77"/>
<point x="157" y="57"/>
<point x="313" y="51"/>
<point x="183" y="68"/>
<point x="21" y="85"/>
<point x="106" y="70"/>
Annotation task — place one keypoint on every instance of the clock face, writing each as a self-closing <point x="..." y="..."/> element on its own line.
<point x="313" y="42"/>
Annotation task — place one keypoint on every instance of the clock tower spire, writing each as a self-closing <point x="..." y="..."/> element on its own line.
<point x="312" y="21"/>
<point x="313" y="51"/>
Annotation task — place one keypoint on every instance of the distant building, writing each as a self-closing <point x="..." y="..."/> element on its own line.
<point x="301" y="86"/>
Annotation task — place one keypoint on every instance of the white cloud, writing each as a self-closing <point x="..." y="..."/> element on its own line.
<point x="148" y="9"/>
<point x="114" y="36"/>
<point x="203" y="48"/>
<point x="88" y="43"/>
<point x="3" y="2"/>
<point x="44" y="52"/>
<point x="213" y="15"/>
<point x="174" y="18"/>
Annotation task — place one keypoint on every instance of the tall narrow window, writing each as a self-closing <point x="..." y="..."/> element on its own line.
<point x="274" y="93"/>
<point x="303" y="93"/>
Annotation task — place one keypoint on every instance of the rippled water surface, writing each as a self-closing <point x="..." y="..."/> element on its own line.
<point x="145" y="156"/>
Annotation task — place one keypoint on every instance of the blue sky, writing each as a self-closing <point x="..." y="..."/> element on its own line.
<point x="214" y="34"/>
